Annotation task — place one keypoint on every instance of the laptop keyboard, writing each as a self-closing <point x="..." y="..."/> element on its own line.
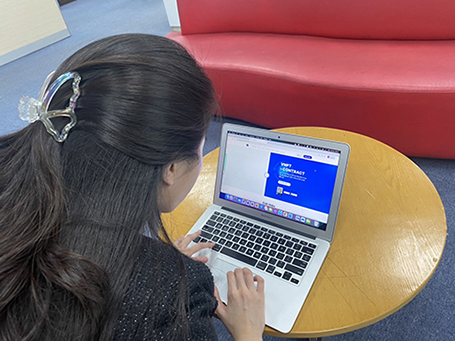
<point x="282" y="255"/>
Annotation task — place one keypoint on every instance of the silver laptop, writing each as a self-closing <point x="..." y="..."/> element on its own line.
<point x="275" y="210"/>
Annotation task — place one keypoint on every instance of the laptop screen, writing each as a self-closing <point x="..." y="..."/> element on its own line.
<point x="290" y="180"/>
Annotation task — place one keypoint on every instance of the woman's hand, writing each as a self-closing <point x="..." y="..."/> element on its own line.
<point x="244" y="314"/>
<point x="182" y="245"/>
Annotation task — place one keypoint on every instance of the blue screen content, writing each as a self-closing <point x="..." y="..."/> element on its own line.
<point x="301" y="182"/>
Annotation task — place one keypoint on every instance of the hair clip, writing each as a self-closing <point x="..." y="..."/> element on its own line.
<point x="32" y="110"/>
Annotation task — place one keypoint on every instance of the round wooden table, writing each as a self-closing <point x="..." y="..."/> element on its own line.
<point x="389" y="237"/>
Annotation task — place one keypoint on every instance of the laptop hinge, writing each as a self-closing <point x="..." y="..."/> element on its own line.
<point x="269" y="223"/>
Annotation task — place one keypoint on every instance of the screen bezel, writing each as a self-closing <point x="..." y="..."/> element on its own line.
<point x="285" y="223"/>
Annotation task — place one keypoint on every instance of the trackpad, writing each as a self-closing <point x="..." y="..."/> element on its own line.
<point x="219" y="269"/>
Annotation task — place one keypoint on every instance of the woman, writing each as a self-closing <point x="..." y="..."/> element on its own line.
<point x="115" y="139"/>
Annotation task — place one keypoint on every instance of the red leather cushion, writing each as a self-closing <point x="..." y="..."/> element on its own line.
<point x="401" y="93"/>
<point x="367" y="19"/>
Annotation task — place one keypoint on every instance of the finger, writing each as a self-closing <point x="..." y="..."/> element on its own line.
<point x="240" y="278"/>
<point x="201" y="259"/>
<point x="189" y="238"/>
<point x="221" y="308"/>
<point x="249" y="281"/>
<point x="260" y="284"/>
<point x="179" y="241"/>
<point x="198" y="247"/>
<point x="232" y="282"/>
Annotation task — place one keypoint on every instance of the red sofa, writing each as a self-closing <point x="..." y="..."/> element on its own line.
<point x="385" y="69"/>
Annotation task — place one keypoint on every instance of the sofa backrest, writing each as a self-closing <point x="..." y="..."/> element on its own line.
<point x="356" y="19"/>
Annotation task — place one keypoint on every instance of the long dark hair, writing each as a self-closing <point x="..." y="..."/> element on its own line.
<point x="72" y="213"/>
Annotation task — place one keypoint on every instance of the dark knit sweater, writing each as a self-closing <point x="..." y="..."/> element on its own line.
<point x="148" y="312"/>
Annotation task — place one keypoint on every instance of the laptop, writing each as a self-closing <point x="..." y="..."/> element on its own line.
<point x="275" y="208"/>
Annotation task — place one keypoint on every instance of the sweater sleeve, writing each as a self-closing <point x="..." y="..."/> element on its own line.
<point x="149" y="309"/>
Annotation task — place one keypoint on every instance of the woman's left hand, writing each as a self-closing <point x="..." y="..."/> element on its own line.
<point x="182" y="245"/>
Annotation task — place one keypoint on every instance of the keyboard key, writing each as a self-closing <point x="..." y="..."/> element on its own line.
<point x="222" y="215"/>
<point x="281" y="241"/>
<point x="216" y="213"/>
<point x="298" y="254"/>
<point x="210" y="222"/>
<point x="295" y="281"/>
<point x="197" y="240"/>
<point x="279" y="234"/>
<point x="229" y="244"/>
<point x="261" y="265"/>
<point x="272" y="261"/>
<point x="274" y="246"/>
<point x="249" y="245"/>
<point x="257" y="247"/>
<point x="259" y="240"/>
<point x="205" y="235"/>
<point x="273" y="238"/>
<point x="266" y="243"/>
<point x="242" y="242"/>
<point x="287" y="275"/>
<point x="295" y="240"/>
<point x="264" y="250"/>
<point x="257" y="255"/>
<point x="266" y="236"/>
<point x="223" y="234"/>
<point x="280" y="264"/>
<point x="281" y="248"/>
<point x="242" y="221"/>
<point x="235" y="246"/>
<point x="236" y="239"/>
<point x="216" y="232"/>
<point x="242" y="249"/>
<point x="306" y="258"/>
<point x="288" y="259"/>
<point x="272" y="253"/>
<point x="249" y="252"/>
<point x="236" y="219"/>
<point x="300" y="263"/>
<point x="308" y="250"/>
<point x="207" y="228"/>
<point x="215" y="239"/>
<point x="265" y="258"/>
<point x="289" y="244"/>
<point x="294" y="269"/>
<point x="222" y="241"/>
<point x="252" y="238"/>
<point x="238" y="232"/>
<point x="229" y="236"/>
<point x="303" y="243"/>
<point x="217" y="247"/>
<point x="297" y="247"/>
<point x="270" y="269"/>
<point x="277" y="273"/>
<point x="219" y="219"/>
<point x="286" y="236"/>
<point x="241" y="257"/>
<point x="280" y="256"/>
<point x="312" y="246"/>
<point x="289" y="252"/>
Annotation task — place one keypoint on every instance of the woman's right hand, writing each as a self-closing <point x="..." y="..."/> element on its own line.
<point x="244" y="314"/>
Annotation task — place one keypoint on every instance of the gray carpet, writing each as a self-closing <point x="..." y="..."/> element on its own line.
<point x="430" y="316"/>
